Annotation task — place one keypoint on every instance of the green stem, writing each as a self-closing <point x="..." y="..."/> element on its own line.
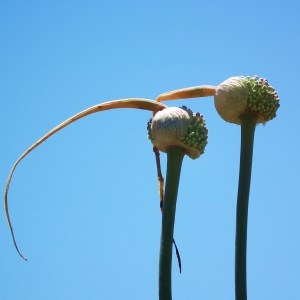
<point x="247" y="140"/>
<point x="175" y="156"/>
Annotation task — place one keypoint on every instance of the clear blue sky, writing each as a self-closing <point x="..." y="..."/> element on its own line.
<point x="85" y="204"/>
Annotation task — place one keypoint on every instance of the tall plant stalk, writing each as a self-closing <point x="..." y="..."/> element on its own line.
<point x="177" y="132"/>
<point x="174" y="161"/>
<point x="248" y="124"/>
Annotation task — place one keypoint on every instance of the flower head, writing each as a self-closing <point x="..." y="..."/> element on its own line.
<point x="180" y="127"/>
<point x="238" y="95"/>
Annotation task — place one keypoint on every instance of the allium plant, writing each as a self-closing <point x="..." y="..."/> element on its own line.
<point x="177" y="132"/>
<point x="246" y="101"/>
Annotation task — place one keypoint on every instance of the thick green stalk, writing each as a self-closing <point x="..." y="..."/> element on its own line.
<point x="175" y="156"/>
<point x="247" y="140"/>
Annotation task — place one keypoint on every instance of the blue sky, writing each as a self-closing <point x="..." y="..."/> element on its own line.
<point x="85" y="206"/>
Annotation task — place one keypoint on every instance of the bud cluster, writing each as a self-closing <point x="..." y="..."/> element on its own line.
<point x="262" y="98"/>
<point x="196" y="133"/>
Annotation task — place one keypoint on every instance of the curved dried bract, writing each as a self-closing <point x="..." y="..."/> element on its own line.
<point x="138" y="103"/>
<point x="190" y="92"/>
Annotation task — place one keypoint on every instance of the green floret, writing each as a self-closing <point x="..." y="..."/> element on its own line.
<point x="262" y="98"/>
<point x="197" y="133"/>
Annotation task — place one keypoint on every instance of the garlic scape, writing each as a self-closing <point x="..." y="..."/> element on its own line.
<point x="178" y="132"/>
<point x="246" y="101"/>
<point x="137" y="103"/>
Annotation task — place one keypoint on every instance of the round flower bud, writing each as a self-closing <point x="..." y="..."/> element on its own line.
<point x="174" y="126"/>
<point x="238" y="95"/>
